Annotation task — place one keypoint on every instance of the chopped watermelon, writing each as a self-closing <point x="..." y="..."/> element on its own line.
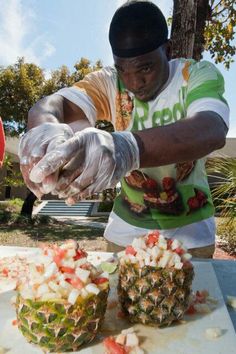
<point x="153" y="237"/>
<point x="112" y="347"/>
<point x="100" y="280"/>
<point x="130" y="250"/>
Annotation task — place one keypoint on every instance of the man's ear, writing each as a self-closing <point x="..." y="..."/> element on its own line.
<point x="168" y="49"/>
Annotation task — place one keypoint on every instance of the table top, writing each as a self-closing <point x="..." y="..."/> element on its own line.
<point x="225" y="270"/>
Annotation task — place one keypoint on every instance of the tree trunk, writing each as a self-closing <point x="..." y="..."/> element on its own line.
<point x="203" y="13"/>
<point x="27" y="207"/>
<point x="183" y="28"/>
<point x="188" y="24"/>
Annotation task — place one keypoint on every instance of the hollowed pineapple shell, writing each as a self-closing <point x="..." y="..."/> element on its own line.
<point x="152" y="295"/>
<point x="59" y="326"/>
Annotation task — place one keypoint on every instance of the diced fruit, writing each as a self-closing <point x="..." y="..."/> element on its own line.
<point x="58" y="290"/>
<point x="231" y="301"/>
<point x="130" y="250"/>
<point x="112" y="347"/>
<point x="213" y="332"/>
<point x="100" y="280"/>
<point x="67" y="270"/>
<point x="153" y="238"/>
<point x="109" y="267"/>
<point x="155" y="283"/>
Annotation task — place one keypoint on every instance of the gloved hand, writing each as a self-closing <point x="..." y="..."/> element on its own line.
<point x="90" y="162"/>
<point x="34" y="145"/>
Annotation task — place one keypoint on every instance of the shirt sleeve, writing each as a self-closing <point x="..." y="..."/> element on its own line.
<point x="205" y="90"/>
<point x="95" y="95"/>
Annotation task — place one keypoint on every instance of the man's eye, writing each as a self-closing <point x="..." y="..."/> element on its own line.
<point x="146" y="69"/>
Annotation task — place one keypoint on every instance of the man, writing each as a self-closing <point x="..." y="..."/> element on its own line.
<point x="167" y="114"/>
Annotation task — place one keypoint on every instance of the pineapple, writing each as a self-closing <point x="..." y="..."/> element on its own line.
<point x="155" y="277"/>
<point x="63" y="301"/>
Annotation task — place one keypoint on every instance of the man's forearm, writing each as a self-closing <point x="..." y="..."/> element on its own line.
<point x="48" y="109"/>
<point x="185" y="140"/>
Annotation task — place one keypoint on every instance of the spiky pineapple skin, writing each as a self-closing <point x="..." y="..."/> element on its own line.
<point x="60" y="326"/>
<point x="154" y="296"/>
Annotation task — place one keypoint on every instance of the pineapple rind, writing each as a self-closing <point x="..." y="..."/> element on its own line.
<point x="58" y="326"/>
<point x="154" y="296"/>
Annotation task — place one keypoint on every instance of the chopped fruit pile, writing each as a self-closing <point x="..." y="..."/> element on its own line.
<point x="12" y="269"/>
<point x="127" y="342"/>
<point x="201" y="302"/>
<point x="157" y="251"/>
<point x="62" y="273"/>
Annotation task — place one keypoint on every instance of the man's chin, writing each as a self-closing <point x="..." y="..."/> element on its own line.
<point x="147" y="97"/>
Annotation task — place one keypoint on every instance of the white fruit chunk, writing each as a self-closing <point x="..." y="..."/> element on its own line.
<point x="131" y="340"/>
<point x="120" y="339"/>
<point x="231" y="301"/>
<point x="92" y="288"/>
<point x="213" y="332"/>
<point x="83" y="274"/>
<point x="73" y="296"/>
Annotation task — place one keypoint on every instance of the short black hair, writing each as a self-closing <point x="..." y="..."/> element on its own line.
<point x="137" y="27"/>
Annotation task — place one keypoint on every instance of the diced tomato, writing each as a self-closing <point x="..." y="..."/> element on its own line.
<point x="14" y="322"/>
<point x="130" y="250"/>
<point x="5" y="272"/>
<point x="169" y="243"/>
<point x="100" y="280"/>
<point x="153" y="237"/>
<point x="40" y="268"/>
<point x="191" y="310"/>
<point x="59" y="256"/>
<point x="112" y="347"/>
<point x="68" y="270"/>
<point x="200" y="297"/>
<point x="80" y="254"/>
<point x="179" y="251"/>
<point x="75" y="282"/>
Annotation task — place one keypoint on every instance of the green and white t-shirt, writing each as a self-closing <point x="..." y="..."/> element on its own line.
<point x="173" y="198"/>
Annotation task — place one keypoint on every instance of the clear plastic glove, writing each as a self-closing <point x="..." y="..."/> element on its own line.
<point x="90" y="162"/>
<point x="34" y="145"/>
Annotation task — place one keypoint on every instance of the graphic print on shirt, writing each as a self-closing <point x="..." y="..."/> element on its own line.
<point x="170" y="196"/>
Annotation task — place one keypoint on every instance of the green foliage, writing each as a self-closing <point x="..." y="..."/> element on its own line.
<point x="12" y="205"/>
<point x="22" y="84"/>
<point x="20" y="88"/>
<point x="220" y="31"/>
<point x="226" y="230"/>
<point x="13" y="177"/>
<point x="223" y="170"/>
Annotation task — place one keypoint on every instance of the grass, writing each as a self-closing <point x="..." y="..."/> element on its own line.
<point x="20" y="231"/>
<point x="226" y="231"/>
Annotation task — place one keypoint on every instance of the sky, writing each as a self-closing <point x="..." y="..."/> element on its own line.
<point x="52" y="33"/>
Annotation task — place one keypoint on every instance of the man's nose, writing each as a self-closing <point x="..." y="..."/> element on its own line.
<point x="136" y="83"/>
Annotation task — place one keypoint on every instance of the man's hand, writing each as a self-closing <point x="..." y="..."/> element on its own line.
<point x="34" y="145"/>
<point x="90" y="162"/>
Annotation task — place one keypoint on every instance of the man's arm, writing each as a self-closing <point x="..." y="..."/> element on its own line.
<point x="56" y="109"/>
<point x="185" y="140"/>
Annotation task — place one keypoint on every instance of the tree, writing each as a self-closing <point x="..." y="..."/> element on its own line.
<point x="20" y="88"/>
<point x="199" y="25"/>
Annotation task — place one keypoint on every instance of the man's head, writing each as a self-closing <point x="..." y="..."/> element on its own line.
<point x="139" y="39"/>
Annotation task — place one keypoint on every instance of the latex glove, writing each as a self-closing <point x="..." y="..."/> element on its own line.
<point x="90" y="162"/>
<point x="34" y="145"/>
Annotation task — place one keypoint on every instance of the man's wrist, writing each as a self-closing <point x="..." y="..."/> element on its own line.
<point x="140" y="144"/>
